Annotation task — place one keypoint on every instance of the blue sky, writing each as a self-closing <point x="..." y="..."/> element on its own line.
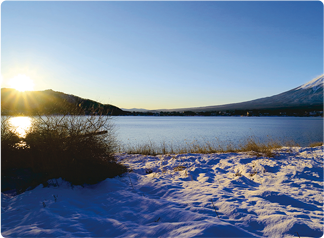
<point x="158" y="55"/>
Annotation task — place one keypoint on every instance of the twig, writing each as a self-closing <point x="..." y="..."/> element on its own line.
<point x="90" y="134"/>
<point x="297" y="234"/>
<point x="214" y="207"/>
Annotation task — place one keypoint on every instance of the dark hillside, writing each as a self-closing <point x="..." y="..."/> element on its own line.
<point x="49" y="102"/>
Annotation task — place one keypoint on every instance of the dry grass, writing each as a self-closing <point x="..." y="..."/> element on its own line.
<point x="316" y="144"/>
<point x="253" y="173"/>
<point x="250" y="144"/>
<point x="258" y="148"/>
<point x="179" y="168"/>
<point x="145" y="149"/>
<point x="238" y="173"/>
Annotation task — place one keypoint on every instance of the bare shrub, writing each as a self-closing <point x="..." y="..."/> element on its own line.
<point x="9" y="141"/>
<point x="69" y="144"/>
<point x="79" y="149"/>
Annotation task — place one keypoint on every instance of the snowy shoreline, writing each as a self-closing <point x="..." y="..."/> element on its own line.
<point x="184" y="195"/>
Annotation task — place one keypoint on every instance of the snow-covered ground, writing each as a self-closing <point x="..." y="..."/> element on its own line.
<point x="186" y="195"/>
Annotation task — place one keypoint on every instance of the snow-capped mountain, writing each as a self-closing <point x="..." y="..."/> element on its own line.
<point x="315" y="84"/>
<point x="308" y="95"/>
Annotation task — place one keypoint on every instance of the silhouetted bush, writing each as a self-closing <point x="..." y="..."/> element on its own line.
<point x="8" y="149"/>
<point x="78" y="149"/>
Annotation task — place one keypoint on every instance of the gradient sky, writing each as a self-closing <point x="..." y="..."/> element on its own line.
<point x="158" y="55"/>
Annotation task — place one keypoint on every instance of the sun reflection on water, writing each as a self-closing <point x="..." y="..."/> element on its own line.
<point x="20" y="125"/>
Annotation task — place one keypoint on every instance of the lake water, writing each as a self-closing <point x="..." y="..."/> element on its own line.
<point x="134" y="130"/>
<point x="178" y="130"/>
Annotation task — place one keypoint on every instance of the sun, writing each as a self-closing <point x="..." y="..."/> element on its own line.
<point x="21" y="83"/>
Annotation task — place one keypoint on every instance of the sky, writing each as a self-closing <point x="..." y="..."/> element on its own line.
<point x="163" y="55"/>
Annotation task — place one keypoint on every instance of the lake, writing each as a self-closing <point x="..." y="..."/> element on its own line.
<point x="137" y="130"/>
<point x="178" y="130"/>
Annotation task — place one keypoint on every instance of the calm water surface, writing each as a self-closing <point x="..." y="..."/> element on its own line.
<point x="222" y="130"/>
<point x="178" y="130"/>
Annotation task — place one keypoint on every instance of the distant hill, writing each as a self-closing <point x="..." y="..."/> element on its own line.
<point x="307" y="96"/>
<point x="47" y="102"/>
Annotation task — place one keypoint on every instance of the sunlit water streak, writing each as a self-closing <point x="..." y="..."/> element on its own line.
<point x="20" y="125"/>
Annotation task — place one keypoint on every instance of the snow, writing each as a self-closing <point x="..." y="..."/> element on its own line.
<point x="184" y="195"/>
<point x="315" y="83"/>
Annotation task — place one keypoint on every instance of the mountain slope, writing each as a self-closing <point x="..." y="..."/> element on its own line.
<point x="308" y="95"/>
<point x="14" y="102"/>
